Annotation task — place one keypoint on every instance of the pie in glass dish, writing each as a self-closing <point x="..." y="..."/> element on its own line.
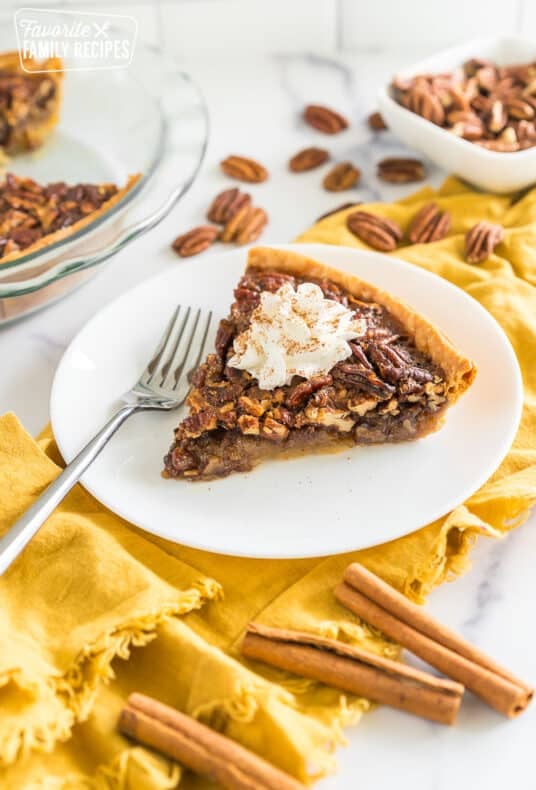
<point x="34" y="216"/>
<point x="311" y="359"/>
<point x="30" y="98"/>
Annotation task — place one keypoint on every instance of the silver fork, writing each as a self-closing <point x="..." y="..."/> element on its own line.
<point x="163" y="385"/>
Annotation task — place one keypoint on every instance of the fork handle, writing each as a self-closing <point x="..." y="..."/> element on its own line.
<point x="27" y="525"/>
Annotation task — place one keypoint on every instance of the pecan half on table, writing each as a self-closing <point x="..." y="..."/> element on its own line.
<point x="245" y="226"/>
<point x="325" y="120"/>
<point x="308" y="159"/>
<point x="481" y="240"/>
<point x="401" y="170"/>
<point x="244" y="169"/>
<point x="226" y="204"/>
<point x="341" y="177"/>
<point x="429" y="224"/>
<point x="195" y="241"/>
<point x="376" y="122"/>
<point x="378" y="232"/>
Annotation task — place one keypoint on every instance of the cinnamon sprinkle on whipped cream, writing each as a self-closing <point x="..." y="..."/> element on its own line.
<point x="295" y="332"/>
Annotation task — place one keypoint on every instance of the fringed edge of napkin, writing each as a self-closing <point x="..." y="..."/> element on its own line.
<point x="68" y="699"/>
<point x="448" y="559"/>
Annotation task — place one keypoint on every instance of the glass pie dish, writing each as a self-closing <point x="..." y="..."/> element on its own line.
<point x="149" y="119"/>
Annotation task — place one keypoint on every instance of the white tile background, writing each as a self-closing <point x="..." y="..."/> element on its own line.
<point x="229" y="27"/>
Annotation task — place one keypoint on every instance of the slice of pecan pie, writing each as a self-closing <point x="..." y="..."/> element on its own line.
<point x="34" y="216"/>
<point x="308" y="359"/>
<point x="29" y="101"/>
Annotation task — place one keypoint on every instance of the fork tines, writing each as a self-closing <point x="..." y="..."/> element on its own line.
<point x="180" y="350"/>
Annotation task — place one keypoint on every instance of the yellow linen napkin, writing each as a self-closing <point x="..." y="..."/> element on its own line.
<point x="94" y="608"/>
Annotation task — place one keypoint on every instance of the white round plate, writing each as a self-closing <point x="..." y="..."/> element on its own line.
<point x="309" y="506"/>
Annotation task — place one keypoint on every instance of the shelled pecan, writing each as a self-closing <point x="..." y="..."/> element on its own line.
<point x="341" y="177"/>
<point x="308" y="159"/>
<point x="376" y="122"/>
<point x="481" y="240"/>
<point x="492" y="99"/>
<point x="245" y="226"/>
<point x="526" y="133"/>
<point x="274" y="430"/>
<point x="423" y="102"/>
<point x="520" y="110"/>
<point x="244" y="168"/>
<point x="195" y="241"/>
<point x="400" y="170"/>
<point x="466" y="124"/>
<point x="498" y="117"/>
<point x="366" y="379"/>
<point x="226" y="204"/>
<point x="325" y="120"/>
<point x="378" y="232"/>
<point x="429" y="224"/>
<point x="305" y="389"/>
<point x="501" y="146"/>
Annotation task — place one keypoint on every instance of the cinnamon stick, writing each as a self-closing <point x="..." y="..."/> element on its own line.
<point x="199" y="748"/>
<point x="385" y="608"/>
<point x="355" y="670"/>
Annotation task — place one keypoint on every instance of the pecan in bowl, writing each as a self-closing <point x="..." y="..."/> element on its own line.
<point x="478" y="101"/>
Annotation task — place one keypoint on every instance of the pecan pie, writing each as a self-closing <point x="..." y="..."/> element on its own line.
<point x="393" y="381"/>
<point x="34" y="216"/>
<point x="29" y="101"/>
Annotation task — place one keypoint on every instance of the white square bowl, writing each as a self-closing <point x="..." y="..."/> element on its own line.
<point x="488" y="170"/>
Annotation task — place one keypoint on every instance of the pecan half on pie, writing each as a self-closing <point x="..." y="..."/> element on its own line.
<point x="312" y="359"/>
<point x="34" y="216"/>
<point x="29" y="101"/>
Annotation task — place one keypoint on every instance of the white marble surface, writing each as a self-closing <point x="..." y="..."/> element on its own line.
<point x="254" y="104"/>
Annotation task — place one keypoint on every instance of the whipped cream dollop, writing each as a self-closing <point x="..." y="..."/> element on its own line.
<point x="295" y="332"/>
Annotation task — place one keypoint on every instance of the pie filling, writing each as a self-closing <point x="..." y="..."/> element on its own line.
<point x="385" y="391"/>
<point x="26" y="103"/>
<point x="30" y="211"/>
